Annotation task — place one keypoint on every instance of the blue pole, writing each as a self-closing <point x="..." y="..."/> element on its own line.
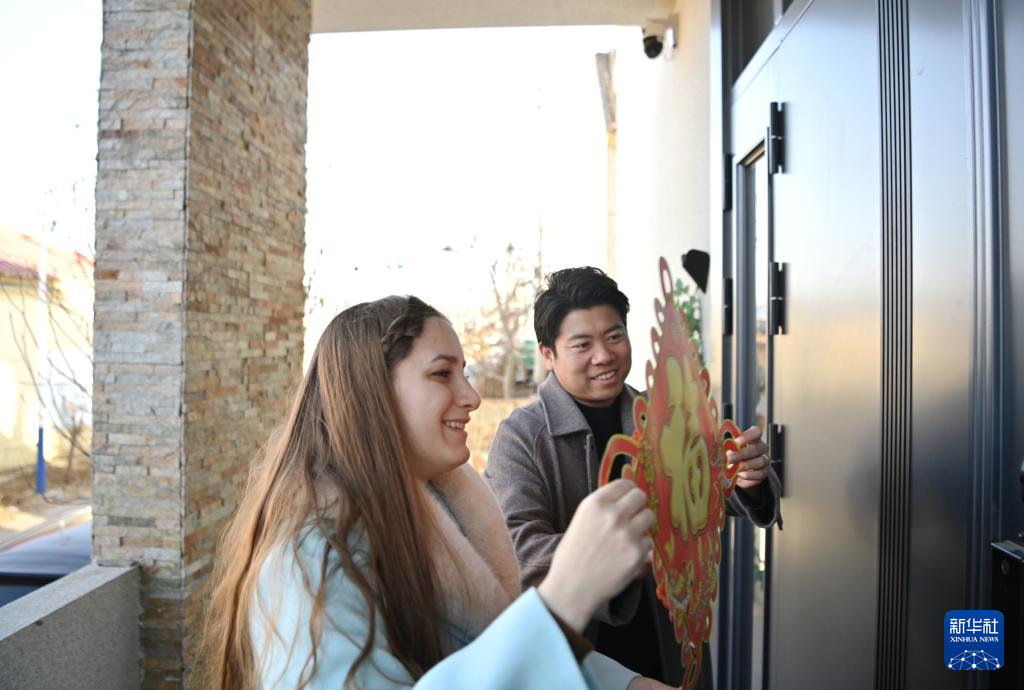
<point x="43" y="362"/>
<point x="40" y="464"/>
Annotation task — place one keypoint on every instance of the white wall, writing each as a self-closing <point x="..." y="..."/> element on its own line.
<point x="663" y="166"/>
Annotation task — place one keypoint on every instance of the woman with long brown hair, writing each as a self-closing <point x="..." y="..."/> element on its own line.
<point x="366" y="554"/>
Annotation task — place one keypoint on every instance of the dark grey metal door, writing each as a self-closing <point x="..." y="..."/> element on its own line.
<point x="898" y="377"/>
<point x="1011" y="34"/>
<point x="822" y="378"/>
<point x="1008" y="576"/>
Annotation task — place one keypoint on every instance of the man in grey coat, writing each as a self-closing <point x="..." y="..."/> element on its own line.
<point x="545" y="458"/>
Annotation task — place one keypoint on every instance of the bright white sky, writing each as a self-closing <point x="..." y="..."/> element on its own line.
<point x="49" y="80"/>
<point x="418" y="141"/>
<point x="467" y="139"/>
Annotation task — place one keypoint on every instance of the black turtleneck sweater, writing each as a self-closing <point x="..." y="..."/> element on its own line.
<point x="635" y="644"/>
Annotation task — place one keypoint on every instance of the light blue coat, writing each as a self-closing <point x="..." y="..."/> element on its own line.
<point x="523" y="648"/>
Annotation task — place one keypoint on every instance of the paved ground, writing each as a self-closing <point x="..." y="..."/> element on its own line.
<point x="21" y="508"/>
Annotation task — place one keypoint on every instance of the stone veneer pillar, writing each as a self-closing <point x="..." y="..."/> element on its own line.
<point x="200" y="203"/>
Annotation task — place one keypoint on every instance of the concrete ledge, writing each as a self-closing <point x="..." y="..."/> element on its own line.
<point x="81" y="631"/>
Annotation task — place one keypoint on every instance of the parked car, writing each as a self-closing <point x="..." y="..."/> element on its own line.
<point x="44" y="553"/>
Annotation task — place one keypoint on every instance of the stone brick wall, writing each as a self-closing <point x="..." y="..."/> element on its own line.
<point x="139" y="322"/>
<point x="200" y="205"/>
<point x="244" y="295"/>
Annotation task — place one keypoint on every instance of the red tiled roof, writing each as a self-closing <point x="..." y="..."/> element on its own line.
<point x="19" y="257"/>
<point x="10" y="266"/>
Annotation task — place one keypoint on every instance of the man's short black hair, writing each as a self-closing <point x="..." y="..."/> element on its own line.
<point x="574" y="288"/>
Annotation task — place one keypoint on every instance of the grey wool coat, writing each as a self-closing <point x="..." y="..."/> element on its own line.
<point x="542" y="463"/>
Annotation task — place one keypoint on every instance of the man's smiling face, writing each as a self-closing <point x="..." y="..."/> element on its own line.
<point x="592" y="355"/>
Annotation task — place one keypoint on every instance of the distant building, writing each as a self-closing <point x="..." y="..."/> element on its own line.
<point x="66" y="389"/>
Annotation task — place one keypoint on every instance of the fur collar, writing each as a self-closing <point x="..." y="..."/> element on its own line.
<point x="473" y="554"/>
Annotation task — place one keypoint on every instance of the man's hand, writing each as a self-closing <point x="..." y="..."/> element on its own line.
<point x="752" y="458"/>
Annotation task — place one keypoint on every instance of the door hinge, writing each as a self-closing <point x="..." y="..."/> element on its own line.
<point x="777" y="452"/>
<point x="776" y="139"/>
<point x="777" y="299"/>
<point x="727" y="172"/>
<point x="727" y="308"/>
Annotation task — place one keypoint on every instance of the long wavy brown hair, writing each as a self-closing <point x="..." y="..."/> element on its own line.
<point x="339" y="462"/>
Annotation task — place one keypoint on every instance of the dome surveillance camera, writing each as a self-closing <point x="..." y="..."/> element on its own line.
<point x="657" y="34"/>
<point x="653" y="44"/>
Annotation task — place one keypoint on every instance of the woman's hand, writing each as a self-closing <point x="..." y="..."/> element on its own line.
<point x="604" y="547"/>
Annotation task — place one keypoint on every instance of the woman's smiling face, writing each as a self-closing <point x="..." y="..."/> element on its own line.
<point x="434" y="400"/>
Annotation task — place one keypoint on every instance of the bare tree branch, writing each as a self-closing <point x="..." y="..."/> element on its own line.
<point x="513" y="283"/>
<point x="69" y="330"/>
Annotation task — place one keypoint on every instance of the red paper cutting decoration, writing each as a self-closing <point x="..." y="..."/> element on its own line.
<point x="677" y="456"/>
